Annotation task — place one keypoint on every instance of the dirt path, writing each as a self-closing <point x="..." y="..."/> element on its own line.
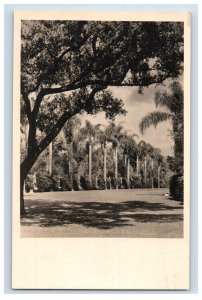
<point x="112" y="213"/>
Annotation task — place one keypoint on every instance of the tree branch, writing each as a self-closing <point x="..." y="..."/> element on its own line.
<point x="62" y="120"/>
<point x="57" y="59"/>
<point x="55" y="130"/>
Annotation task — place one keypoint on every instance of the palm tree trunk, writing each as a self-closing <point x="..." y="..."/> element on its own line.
<point x="116" y="166"/>
<point x="128" y="173"/>
<point x="152" y="175"/>
<point x="145" y="171"/>
<point x="90" y="162"/>
<point x="137" y="165"/>
<point x="71" y="166"/>
<point x="50" y="165"/>
<point x="159" y="170"/>
<point x="105" y="166"/>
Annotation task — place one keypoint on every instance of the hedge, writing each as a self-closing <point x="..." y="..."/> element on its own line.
<point x="177" y="187"/>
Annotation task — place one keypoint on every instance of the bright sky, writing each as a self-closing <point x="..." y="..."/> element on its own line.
<point x="138" y="106"/>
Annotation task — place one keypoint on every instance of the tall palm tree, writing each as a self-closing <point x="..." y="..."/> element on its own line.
<point x="130" y="152"/>
<point x="145" y="154"/>
<point x="142" y="154"/>
<point x="103" y="139"/>
<point x="68" y="134"/>
<point x="171" y="103"/>
<point x="115" y="134"/>
<point x="90" y="133"/>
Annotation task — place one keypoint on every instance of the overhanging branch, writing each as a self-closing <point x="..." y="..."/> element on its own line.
<point x="62" y="120"/>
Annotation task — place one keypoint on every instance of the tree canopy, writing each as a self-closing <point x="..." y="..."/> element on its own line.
<point x="84" y="58"/>
<point x="67" y="68"/>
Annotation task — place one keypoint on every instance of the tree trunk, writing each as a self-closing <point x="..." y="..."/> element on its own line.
<point x="25" y="167"/>
<point x="71" y="166"/>
<point x="152" y="175"/>
<point x="116" y="166"/>
<point x="137" y="165"/>
<point x="105" y="166"/>
<point x="159" y="169"/>
<point x="22" y="205"/>
<point x="128" y="173"/>
<point x="90" y="162"/>
<point x="145" y="171"/>
<point x="50" y="165"/>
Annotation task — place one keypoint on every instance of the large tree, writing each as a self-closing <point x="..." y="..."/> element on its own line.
<point x="67" y="66"/>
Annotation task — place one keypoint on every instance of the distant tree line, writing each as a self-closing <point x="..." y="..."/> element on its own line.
<point x="98" y="157"/>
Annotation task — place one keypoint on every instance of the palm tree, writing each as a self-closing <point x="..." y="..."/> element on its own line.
<point x="68" y="134"/>
<point x="141" y="154"/>
<point x="172" y="104"/>
<point x="129" y="146"/>
<point x="90" y="132"/>
<point x="115" y="134"/>
<point x="103" y="139"/>
<point x="145" y="153"/>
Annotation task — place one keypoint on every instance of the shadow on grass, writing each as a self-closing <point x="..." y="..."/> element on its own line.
<point x="97" y="214"/>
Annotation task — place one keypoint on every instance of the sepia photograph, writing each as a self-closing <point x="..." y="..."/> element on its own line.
<point x="101" y="150"/>
<point x="101" y="129"/>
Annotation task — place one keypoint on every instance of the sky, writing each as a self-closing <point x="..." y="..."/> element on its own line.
<point x="138" y="106"/>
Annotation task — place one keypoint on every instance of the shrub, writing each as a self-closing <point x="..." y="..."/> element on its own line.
<point x="113" y="183"/>
<point x="85" y="184"/>
<point x="64" y="186"/>
<point x="177" y="187"/>
<point x="124" y="183"/>
<point x="135" y="182"/>
<point x="29" y="183"/>
<point x="44" y="182"/>
<point x="76" y="183"/>
<point x="56" y="183"/>
<point x="94" y="184"/>
<point x="101" y="183"/>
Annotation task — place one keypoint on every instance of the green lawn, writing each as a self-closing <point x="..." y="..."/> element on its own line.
<point x="112" y="213"/>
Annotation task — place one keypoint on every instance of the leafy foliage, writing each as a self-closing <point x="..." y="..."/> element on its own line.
<point x="68" y="66"/>
<point x="173" y="103"/>
<point x="177" y="187"/>
<point x="153" y="118"/>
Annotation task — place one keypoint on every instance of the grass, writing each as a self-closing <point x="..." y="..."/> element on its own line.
<point x="122" y="213"/>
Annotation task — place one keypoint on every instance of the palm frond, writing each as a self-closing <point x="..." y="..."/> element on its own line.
<point x="153" y="119"/>
<point x="162" y="99"/>
<point x="172" y="100"/>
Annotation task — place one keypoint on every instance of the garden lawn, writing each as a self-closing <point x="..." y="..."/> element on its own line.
<point x="135" y="213"/>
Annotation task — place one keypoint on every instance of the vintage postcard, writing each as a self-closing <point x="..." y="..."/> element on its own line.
<point x="101" y="150"/>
